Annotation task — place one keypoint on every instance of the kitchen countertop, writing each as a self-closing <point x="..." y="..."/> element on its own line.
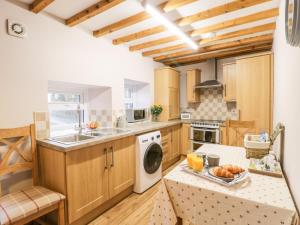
<point x="135" y="129"/>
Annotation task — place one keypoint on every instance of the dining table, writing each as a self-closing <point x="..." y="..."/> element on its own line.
<point x="258" y="200"/>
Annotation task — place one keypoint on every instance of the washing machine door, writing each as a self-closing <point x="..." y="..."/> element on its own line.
<point x="152" y="158"/>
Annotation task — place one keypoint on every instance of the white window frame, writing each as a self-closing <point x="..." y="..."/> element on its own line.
<point x="64" y="106"/>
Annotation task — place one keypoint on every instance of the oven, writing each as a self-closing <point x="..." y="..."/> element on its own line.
<point x="201" y="135"/>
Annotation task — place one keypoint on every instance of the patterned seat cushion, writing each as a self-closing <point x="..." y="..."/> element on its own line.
<point x="19" y="205"/>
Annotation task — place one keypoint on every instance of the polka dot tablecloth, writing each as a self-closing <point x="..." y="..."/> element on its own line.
<point x="261" y="200"/>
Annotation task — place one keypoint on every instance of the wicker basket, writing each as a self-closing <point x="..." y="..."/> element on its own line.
<point x="256" y="153"/>
<point x="255" y="148"/>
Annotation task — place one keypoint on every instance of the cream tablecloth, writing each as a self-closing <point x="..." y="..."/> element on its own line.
<point x="261" y="200"/>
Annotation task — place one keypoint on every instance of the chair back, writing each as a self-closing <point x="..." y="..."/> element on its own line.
<point x="236" y="130"/>
<point x="18" y="150"/>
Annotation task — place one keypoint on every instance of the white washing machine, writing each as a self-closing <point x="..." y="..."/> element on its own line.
<point x="148" y="161"/>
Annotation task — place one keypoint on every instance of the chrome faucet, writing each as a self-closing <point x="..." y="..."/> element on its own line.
<point x="79" y="120"/>
<point x="118" y="122"/>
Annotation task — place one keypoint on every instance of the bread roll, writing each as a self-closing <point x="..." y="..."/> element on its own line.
<point x="220" y="172"/>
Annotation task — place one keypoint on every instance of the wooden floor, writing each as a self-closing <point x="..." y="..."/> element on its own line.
<point x="133" y="210"/>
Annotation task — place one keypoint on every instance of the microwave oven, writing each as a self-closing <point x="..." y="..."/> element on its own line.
<point x="135" y="115"/>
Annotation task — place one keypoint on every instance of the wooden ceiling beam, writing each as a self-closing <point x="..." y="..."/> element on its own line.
<point x="156" y="42"/>
<point x="263" y="39"/>
<point x="217" y="54"/>
<point x="139" y="17"/>
<point x="174" y="4"/>
<point x="238" y="21"/>
<point x="230" y="23"/>
<point x="153" y="43"/>
<point x="165" y="49"/>
<point x="138" y="35"/>
<point x="228" y="55"/>
<point x="131" y="20"/>
<point x="91" y="11"/>
<point x="188" y="53"/>
<point x="234" y="34"/>
<point x="39" y="5"/>
<point x="219" y="10"/>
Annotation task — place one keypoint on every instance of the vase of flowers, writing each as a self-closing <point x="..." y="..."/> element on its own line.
<point x="155" y="111"/>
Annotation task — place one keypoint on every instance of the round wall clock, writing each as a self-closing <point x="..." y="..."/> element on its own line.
<point x="292" y="22"/>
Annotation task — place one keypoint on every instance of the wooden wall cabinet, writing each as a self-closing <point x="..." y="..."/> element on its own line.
<point x="255" y="90"/>
<point x="229" y="77"/>
<point x="166" y="92"/>
<point x="193" y="77"/>
<point x="90" y="176"/>
<point x="185" y="139"/>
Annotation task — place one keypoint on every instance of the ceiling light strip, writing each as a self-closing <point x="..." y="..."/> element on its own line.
<point x="156" y="14"/>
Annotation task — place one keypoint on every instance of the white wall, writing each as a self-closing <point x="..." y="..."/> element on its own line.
<point x="286" y="101"/>
<point x="53" y="51"/>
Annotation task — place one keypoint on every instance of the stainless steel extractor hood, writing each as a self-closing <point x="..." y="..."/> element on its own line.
<point x="211" y="83"/>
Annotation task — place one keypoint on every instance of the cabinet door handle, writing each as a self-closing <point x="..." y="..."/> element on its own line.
<point x="225" y="90"/>
<point x="112" y="157"/>
<point x="105" y="151"/>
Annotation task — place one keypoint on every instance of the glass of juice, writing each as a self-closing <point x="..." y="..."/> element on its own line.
<point x="197" y="163"/>
<point x="190" y="157"/>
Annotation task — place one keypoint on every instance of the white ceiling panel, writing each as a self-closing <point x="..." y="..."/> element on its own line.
<point x="26" y="1"/>
<point x="170" y="52"/>
<point x="151" y="38"/>
<point x="162" y="45"/>
<point x="115" y="14"/>
<point x="64" y="9"/>
<point x="134" y="28"/>
<point x="200" y="6"/>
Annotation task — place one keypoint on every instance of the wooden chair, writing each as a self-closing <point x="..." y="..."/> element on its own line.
<point x="31" y="203"/>
<point x="239" y="128"/>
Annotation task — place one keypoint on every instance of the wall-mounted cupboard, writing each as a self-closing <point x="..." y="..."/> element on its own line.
<point x="229" y="82"/>
<point x="166" y="93"/>
<point x="193" y="77"/>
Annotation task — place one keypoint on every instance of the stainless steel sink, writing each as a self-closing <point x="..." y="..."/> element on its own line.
<point x="71" y="139"/>
<point x="75" y="138"/>
<point x="94" y="133"/>
<point x="110" y="131"/>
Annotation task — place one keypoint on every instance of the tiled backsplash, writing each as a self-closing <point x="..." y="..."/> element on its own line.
<point x="42" y="124"/>
<point x="212" y="107"/>
<point x="106" y="118"/>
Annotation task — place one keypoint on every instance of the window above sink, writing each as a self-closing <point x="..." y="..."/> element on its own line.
<point x="71" y="104"/>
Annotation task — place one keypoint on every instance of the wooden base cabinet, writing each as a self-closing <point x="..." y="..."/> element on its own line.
<point x="171" y="144"/>
<point x="185" y="139"/>
<point x="91" y="176"/>
<point x="87" y="180"/>
<point x="122" y="165"/>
